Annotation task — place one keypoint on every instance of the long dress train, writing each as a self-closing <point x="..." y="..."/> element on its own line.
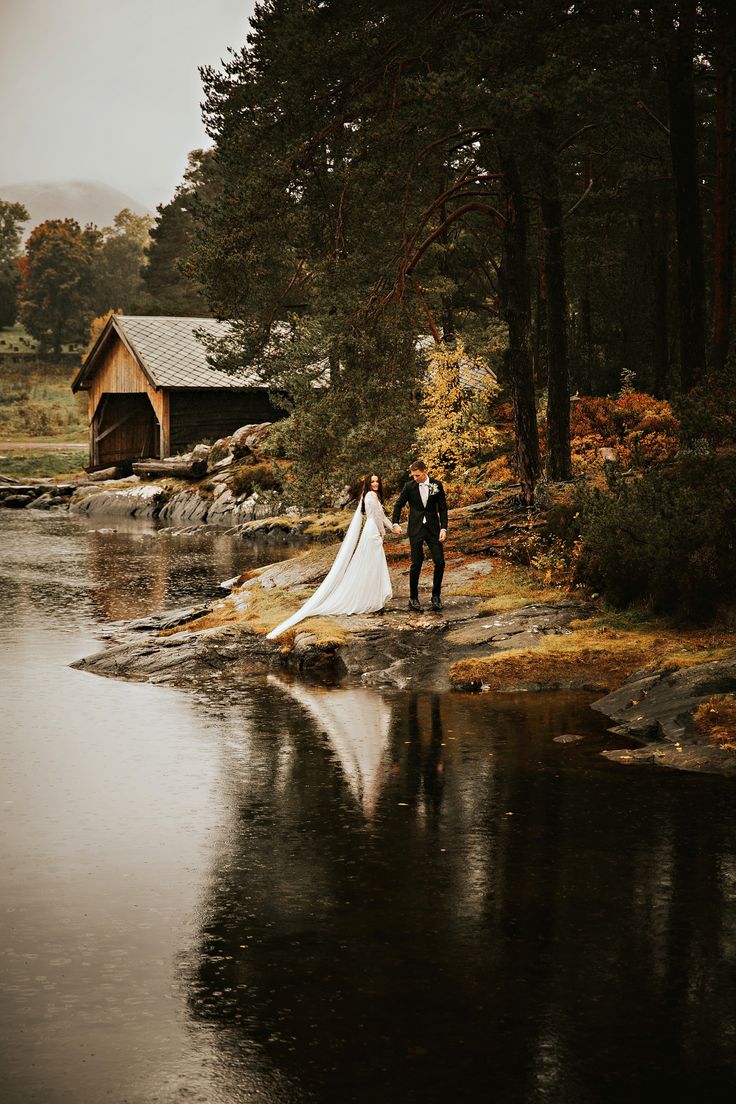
<point x="358" y="581"/>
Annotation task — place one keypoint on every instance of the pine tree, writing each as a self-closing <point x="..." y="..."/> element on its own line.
<point x="169" y="284"/>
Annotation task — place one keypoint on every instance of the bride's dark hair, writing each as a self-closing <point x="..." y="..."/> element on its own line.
<point x="366" y="487"/>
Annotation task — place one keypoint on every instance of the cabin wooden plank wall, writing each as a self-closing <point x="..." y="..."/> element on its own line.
<point x="119" y="373"/>
<point x="120" y="393"/>
<point x="199" y="415"/>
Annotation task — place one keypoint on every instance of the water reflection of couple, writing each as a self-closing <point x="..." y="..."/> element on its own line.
<point x="358" y="721"/>
<point x="358" y="581"/>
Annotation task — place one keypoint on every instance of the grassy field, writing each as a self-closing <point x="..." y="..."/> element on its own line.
<point x="16" y="341"/>
<point x="29" y="463"/>
<point x="36" y="400"/>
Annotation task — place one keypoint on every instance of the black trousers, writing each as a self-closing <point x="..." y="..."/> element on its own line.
<point x="437" y="553"/>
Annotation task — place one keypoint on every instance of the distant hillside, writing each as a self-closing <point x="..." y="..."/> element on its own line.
<point x="84" y="200"/>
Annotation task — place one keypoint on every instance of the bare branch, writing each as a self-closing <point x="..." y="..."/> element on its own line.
<point x="482" y="208"/>
<point x="582" y="198"/>
<point x="455" y="191"/>
<point x="660" y="124"/>
<point x="437" y="336"/>
<point x="569" y="141"/>
<point x="298" y="277"/>
<point x="467" y="131"/>
<point x="488" y="256"/>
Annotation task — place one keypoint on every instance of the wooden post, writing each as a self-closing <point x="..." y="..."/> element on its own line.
<point x="165" y="444"/>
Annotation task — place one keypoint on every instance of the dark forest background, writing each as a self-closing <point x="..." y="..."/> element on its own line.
<point x="545" y="188"/>
<point x="552" y="183"/>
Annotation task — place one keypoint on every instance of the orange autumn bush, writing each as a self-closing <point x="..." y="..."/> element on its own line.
<point x="643" y="430"/>
<point x="500" y="471"/>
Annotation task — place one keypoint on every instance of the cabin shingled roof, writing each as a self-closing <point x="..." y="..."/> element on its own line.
<point x="172" y="355"/>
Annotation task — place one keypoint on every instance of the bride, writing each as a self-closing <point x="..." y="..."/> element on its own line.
<point x="358" y="581"/>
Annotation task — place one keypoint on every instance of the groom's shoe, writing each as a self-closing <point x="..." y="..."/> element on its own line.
<point x="436" y="602"/>
<point x="414" y="605"/>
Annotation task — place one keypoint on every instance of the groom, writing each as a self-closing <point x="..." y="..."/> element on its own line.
<point x="427" y="525"/>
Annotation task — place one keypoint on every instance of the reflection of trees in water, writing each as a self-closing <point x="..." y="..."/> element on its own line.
<point x="434" y="947"/>
<point x="129" y="577"/>
<point x="137" y="571"/>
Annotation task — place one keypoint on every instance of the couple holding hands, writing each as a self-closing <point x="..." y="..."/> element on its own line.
<point x="358" y="581"/>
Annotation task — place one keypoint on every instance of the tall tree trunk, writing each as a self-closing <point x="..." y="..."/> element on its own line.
<point x="586" y="313"/>
<point x="660" y="337"/>
<point x="586" y="331"/>
<point x="448" y="313"/>
<point x="539" y="324"/>
<point x="553" y="259"/>
<point x="657" y="226"/>
<point x="723" y="232"/>
<point x="684" y="153"/>
<point x="516" y="306"/>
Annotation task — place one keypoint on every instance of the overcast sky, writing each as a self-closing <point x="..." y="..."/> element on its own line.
<point x="108" y="90"/>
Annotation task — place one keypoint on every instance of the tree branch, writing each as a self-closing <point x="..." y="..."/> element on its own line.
<point x="660" y="124"/>
<point x="582" y="199"/>
<point x="436" y="335"/>
<point x="482" y="208"/>
<point x="453" y="192"/>
<point x="569" y="141"/>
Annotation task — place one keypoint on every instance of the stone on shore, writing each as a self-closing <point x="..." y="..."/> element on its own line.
<point x="139" y="500"/>
<point x="656" y="710"/>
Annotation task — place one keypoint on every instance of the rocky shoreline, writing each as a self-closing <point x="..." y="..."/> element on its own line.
<point x="226" y="496"/>
<point x="655" y="709"/>
<point x="652" y="708"/>
<point x="399" y="650"/>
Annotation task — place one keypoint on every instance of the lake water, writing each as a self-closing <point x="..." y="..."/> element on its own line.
<point x="293" y="893"/>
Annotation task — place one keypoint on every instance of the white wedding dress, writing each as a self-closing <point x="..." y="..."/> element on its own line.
<point x="358" y="581"/>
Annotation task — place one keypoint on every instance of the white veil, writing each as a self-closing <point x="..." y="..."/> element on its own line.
<point x="331" y="581"/>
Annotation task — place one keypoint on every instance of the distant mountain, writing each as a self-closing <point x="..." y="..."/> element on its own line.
<point x="83" y="200"/>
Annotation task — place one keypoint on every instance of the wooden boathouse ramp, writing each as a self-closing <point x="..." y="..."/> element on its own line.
<point x="151" y="392"/>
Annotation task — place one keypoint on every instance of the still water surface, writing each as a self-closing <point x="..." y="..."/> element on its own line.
<point x="291" y="893"/>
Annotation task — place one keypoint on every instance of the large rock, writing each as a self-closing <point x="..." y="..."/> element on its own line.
<point x="46" y="501"/>
<point x="656" y="710"/>
<point x="249" y="439"/>
<point x="660" y="705"/>
<point x="519" y="628"/>
<point x="32" y="489"/>
<point x="219" y="451"/>
<point x="141" y="500"/>
<point x="201" y="452"/>
<point x="224" y="510"/>
<point x="186" y="507"/>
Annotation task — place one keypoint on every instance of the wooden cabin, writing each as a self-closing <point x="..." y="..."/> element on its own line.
<point x="151" y="392"/>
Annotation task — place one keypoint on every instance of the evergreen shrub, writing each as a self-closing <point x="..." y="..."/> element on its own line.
<point x="707" y="413"/>
<point x="666" y="538"/>
<point x="256" y="477"/>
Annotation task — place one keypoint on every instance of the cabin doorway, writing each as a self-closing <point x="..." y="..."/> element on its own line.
<point x="124" y="428"/>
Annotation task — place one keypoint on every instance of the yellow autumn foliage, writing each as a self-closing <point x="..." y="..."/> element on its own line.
<point x="457" y="429"/>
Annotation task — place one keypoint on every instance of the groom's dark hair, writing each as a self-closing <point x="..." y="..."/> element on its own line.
<point x="418" y="465"/>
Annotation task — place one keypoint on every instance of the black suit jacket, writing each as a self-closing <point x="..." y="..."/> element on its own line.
<point x="435" y="510"/>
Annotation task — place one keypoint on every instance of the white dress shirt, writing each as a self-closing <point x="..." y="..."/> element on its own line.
<point x="424" y="493"/>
